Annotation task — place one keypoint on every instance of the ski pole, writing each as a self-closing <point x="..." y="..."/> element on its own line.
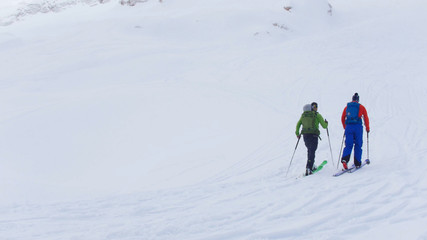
<point x="367" y="135"/>
<point x="292" y="157"/>
<point x="330" y="147"/>
<point x="338" y="164"/>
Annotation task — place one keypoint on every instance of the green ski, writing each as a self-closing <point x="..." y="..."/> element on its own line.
<point x="317" y="169"/>
<point x="320" y="166"/>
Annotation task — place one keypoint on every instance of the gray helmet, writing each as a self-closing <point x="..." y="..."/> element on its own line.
<point x="306" y="108"/>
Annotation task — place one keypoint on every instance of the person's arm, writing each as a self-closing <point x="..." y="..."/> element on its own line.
<point x="364" y="113"/>
<point x="298" y="127"/>
<point x="343" y="117"/>
<point x="322" y="122"/>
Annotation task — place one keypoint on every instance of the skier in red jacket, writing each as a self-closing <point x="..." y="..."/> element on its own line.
<point x="352" y="122"/>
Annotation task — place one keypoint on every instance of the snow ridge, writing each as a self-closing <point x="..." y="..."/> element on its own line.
<point x="53" y="6"/>
<point x="45" y="6"/>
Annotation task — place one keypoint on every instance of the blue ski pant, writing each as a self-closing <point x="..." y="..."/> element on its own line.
<point x="353" y="137"/>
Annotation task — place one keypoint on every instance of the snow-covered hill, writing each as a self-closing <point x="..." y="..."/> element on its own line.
<point x="176" y="119"/>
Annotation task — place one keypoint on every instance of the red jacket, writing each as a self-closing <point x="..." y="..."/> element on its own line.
<point x="362" y="112"/>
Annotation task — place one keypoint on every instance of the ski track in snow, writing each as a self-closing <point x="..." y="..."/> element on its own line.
<point x="229" y="211"/>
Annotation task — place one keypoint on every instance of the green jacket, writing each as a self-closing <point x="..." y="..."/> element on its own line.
<point x="317" y="119"/>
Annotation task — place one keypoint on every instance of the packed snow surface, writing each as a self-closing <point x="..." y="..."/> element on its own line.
<point x="147" y="119"/>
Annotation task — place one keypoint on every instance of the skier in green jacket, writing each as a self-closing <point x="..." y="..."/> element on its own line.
<point x="310" y="120"/>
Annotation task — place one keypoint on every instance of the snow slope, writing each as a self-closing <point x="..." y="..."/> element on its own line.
<point x="176" y="119"/>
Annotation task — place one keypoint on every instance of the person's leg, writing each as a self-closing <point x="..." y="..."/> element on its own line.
<point x="311" y="142"/>
<point x="349" y="141"/>
<point x="358" y="143"/>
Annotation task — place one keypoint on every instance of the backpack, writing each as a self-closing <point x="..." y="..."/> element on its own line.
<point x="352" y="113"/>
<point x="308" y="120"/>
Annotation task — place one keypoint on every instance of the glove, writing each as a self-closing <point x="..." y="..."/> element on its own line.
<point x="326" y="121"/>
<point x="298" y="136"/>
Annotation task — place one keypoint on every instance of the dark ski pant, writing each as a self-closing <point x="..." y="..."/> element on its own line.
<point x="311" y="141"/>
<point x="353" y="137"/>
